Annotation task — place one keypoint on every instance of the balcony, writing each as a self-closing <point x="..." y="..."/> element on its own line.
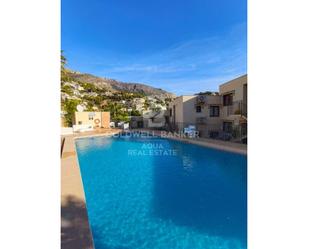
<point x="236" y="108"/>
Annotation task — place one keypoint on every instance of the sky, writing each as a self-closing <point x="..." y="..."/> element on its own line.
<point x="182" y="46"/>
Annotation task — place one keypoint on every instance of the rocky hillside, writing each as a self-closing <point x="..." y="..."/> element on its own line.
<point x="115" y="85"/>
<point x="91" y="93"/>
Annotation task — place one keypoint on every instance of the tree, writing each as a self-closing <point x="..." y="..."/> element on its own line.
<point x="167" y="100"/>
<point x="156" y="109"/>
<point x="67" y="89"/>
<point x="70" y="109"/>
<point x="116" y="112"/>
<point x="135" y="112"/>
<point x="63" y="61"/>
<point x="146" y="104"/>
<point x="207" y="93"/>
<point x="64" y="75"/>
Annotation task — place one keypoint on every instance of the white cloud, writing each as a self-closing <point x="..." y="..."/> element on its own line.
<point x="191" y="66"/>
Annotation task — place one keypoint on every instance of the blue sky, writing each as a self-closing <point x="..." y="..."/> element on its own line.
<point x="180" y="46"/>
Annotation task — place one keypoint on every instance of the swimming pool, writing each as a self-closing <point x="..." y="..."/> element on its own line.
<point x="155" y="193"/>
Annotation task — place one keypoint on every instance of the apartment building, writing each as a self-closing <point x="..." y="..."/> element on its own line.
<point x="234" y="109"/>
<point x="217" y="116"/>
<point x="203" y="111"/>
<point x="208" y="120"/>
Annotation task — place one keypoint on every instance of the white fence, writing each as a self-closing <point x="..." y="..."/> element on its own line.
<point x="82" y="128"/>
<point x="66" y="131"/>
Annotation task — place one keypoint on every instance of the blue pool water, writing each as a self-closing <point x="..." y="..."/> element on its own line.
<point x="153" y="193"/>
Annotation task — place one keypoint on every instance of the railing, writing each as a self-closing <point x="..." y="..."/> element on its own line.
<point x="237" y="108"/>
<point x="177" y="126"/>
<point x="236" y="133"/>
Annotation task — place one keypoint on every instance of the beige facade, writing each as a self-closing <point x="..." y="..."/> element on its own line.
<point x="182" y="109"/>
<point x="234" y="94"/>
<point x="236" y="87"/>
<point x="209" y="120"/>
<point x="203" y="111"/>
<point x="96" y="119"/>
<point x="212" y="114"/>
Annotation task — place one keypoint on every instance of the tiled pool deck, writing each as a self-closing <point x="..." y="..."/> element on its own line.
<point x="75" y="228"/>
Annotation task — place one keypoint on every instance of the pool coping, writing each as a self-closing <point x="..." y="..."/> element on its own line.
<point x="205" y="142"/>
<point x="229" y="147"/>
<point x="72" y="184"/>
<point x="75" y="226"/>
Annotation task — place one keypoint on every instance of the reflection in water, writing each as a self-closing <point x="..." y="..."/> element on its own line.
<point x="194" y="200"/>
<point x="93" y="143"/>
<point x="187" y="163"/>
<point x="204" y="189"/>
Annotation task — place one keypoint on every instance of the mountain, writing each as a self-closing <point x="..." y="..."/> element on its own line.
<point x="114" y="85"/>
<point x="122" y="100"/>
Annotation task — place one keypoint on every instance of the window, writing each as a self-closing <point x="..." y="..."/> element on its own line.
<point x="91" y="115"/>
<point x="198" y="108"/>
<point x="80" y="122"/>
<point x="214" y="111"/>
<point x="171" y="112"/>
<point x="227" y="127"/>
<point x="227" y="99"/>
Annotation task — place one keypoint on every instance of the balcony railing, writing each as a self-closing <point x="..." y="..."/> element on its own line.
<point x="237" y="108"/>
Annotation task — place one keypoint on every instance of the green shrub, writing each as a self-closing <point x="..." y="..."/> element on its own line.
<point x="67" y="89"/>
<point x="69" y="106"/>
<point x="135" y="112"/>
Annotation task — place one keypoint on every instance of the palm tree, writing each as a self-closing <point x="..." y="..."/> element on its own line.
<point x="64" y="75"/>
<point x="63" y="61"/>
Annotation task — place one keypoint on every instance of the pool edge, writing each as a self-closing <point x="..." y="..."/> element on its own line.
<point x="208" y="143"/>
<point x="72" y="187"/>
<point x="75" y="227"/>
